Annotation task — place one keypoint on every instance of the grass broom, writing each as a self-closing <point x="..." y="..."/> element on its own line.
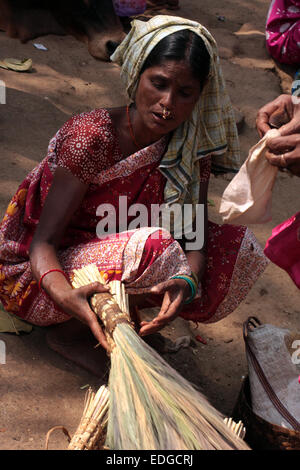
<point x="91" y="432"/>
<point x="151" y="406"/>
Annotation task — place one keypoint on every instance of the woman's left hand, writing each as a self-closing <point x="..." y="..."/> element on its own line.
<point x="175" y="292"/>
<point x="284" y="152"/>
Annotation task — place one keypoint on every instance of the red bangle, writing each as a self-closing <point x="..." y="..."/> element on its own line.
<point x="51" y="271"/>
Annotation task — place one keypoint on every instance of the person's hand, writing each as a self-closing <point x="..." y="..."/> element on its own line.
<point x="283" y="113"/>
<point x="284" y="152"/>
<point x="175" y="292"/>
<point x="75" y="303"/>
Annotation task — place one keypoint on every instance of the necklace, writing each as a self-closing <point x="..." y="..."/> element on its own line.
<point x="130" y="128"/>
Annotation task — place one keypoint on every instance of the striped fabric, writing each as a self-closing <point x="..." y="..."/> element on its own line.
<point x="211" y="129"/>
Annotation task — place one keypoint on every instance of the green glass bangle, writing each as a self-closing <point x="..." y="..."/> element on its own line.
<point x="195" y="277"/>
<point x="192" y="286"/>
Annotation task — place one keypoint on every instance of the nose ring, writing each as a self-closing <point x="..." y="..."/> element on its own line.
<point x="166" y="114"/>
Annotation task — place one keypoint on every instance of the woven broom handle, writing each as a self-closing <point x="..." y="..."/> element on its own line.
<point x="107" y="309"/>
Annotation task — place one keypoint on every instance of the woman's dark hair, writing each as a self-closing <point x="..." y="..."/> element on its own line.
<point x="182" y="45"/>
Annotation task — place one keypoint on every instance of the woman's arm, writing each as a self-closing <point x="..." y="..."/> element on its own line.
<point x="64" y="198"/>
<point x="197" y="258"/>
<point x="176" y="291"/>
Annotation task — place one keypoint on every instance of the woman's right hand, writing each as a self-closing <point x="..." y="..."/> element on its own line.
<point x="283" y="151"/>
<point x="283" y="113"/>
<point x="75" y="303"/>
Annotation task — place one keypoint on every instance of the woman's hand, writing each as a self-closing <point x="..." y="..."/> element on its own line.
<point x="75" y="303"/>
<point x="284" y="152"/>
<point x="283" y="113"/>
<point x="175" y="292"/>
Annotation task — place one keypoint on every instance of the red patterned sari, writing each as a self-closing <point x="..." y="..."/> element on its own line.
<point x="87" y="146"/>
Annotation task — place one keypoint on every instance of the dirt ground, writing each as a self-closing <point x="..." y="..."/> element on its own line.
<point x="38" y="388"/>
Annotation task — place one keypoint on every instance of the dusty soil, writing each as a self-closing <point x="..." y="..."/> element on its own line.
<point x="39" y="389"/>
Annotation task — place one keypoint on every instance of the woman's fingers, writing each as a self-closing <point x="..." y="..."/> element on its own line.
<point x="148" y="328"/>
<point x="275" y="160"/>
<point x="90" y="318"/>
<point x="291" y="127"/>
<point x="289" y="160"/>
<point x="262" y="129"/>
<point x="93" y="288"/>
<point x="87" y="315"/>
<point x="279" y="118"/>
<point x="283" y="144"/>
<point x="284" y="152"/>
<point x="170" y="309"/>
<point x="263" y="117"/>
<point x="175" y="292"/>
<point x="98" y="332"/>
<point x="162" y="287"/>
<point x="282" y="110"/>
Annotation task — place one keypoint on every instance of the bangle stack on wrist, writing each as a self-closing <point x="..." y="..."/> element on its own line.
<point x="195" y="277"/>
<point x="192" y="282"/>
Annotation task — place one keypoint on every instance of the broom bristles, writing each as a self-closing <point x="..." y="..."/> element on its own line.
<point x="91" y="431"/>
<point x="151" y="405"/>
<point x="163" y="410"/>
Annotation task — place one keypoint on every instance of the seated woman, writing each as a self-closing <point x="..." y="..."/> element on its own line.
<point x="157" y="150"/>
<point x="283" y="31"/>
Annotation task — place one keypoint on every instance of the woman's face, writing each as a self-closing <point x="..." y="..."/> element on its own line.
<point x="170" y="85"/>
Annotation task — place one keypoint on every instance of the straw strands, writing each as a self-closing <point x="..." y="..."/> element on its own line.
<point x="237" y="428"/>
<point x="151" y="406"/>
<point x="91" y="432"/>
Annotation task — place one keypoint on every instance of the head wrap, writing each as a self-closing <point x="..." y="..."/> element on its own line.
<point x="211" y="128"/>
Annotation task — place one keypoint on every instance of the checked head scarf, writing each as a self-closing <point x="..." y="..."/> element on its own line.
<point x="211" y="128"/>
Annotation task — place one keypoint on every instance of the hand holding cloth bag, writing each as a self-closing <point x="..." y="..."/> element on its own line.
<point x="248" y="197"/>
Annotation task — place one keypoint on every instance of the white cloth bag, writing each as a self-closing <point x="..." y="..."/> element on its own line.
<point x="248" y="197"/>
<point x="274" y="367"/>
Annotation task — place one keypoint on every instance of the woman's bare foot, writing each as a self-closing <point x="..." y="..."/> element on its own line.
<point x="74" y="341"/>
